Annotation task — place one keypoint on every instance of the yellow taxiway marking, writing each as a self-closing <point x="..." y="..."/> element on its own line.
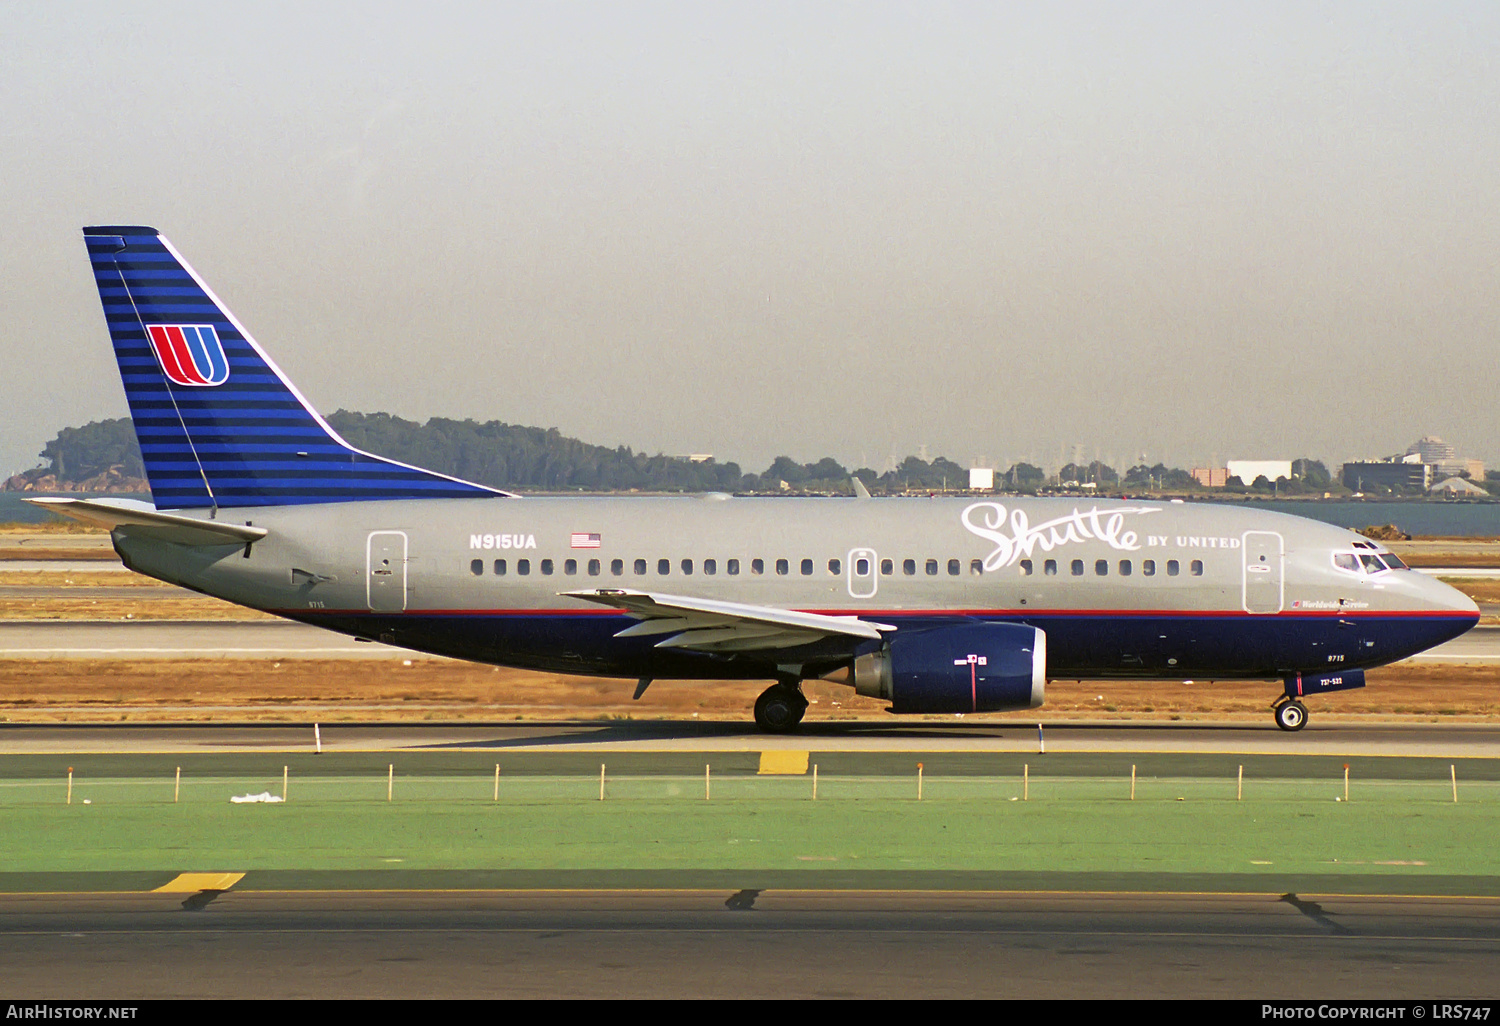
<point x="192" y="883"/>
<point x="783" y="762"/>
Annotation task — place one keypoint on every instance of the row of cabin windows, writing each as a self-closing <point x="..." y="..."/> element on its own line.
<point x="930" y="567"/>
<point x="1101" y="568"/>
<point x="710" y="567"/>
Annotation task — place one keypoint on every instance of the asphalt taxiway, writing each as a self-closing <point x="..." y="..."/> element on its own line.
<point x="667" y="738"/>
<point x="747" y="941"/>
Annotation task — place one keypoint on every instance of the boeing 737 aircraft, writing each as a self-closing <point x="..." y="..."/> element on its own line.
<point x="938" y="605"/>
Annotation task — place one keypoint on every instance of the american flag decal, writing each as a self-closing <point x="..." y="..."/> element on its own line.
<point x="189" y="354"/>
<point x="586" y="541"/>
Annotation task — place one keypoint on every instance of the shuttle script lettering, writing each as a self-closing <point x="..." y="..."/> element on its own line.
<point x="1107" y="526"/>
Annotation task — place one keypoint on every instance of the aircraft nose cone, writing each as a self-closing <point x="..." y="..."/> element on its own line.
<point x="1447" y="598"/>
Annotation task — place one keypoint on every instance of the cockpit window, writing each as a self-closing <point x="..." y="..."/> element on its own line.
<point x="1393" y="561"/>
<point x="1373" y="565"/>
<point x="1346" y="561"/>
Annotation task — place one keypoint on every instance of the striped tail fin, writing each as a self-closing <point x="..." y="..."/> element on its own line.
<point x="218" y="422"/>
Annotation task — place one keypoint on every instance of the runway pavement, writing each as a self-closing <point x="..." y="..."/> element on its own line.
<point x="747" y="942"/>
<point x="166" y="639"/>
<point x="643" y="737"/>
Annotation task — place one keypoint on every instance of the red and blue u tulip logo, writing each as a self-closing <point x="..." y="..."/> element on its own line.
<point x="189" y="354"/>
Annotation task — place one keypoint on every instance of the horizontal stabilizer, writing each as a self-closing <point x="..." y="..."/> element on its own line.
<point x="143" y="519"/>
<point x="707" y="625"/>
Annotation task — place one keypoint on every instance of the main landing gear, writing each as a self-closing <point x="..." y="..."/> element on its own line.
<point x="779" y="708"/>
<point x="1290" y="714"/>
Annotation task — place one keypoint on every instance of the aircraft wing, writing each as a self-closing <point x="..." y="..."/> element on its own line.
<point x="707" y="625"/>
<point x="146" y="520"/>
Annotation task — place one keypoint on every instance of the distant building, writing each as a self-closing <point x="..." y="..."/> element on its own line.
<point x="1425" y="461"/>
<point x="1248" y="470"/>
<point x="1432" y="449"/>
<point x="1458" y="486"/>
<point x="981" y="479"/>
<point x="1380" y="475"/>
<point x="1211" y="477"/>
<point x="1444" y="459"/>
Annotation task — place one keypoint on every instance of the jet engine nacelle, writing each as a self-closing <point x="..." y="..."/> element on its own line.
<point x="970" y="667"/>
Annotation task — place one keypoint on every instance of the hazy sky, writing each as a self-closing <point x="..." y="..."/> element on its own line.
<point x="999" y="230"/>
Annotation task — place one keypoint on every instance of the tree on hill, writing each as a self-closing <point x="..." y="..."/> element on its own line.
<point x="78" y="453"/>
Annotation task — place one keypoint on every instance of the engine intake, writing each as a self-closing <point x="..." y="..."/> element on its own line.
<point x="970" y="667"/>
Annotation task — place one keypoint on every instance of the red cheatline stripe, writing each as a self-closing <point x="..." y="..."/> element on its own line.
<point x="893" y="614"/>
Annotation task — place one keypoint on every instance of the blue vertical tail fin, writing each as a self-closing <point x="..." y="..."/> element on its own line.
<point x="218" y="422"/>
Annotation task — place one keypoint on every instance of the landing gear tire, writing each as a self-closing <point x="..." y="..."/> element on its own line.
<point x="779" y="709"/>
<point x="1291" y="715"/>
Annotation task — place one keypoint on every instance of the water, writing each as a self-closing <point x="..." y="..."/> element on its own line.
<point x="14" y="511"/>
<point x="1427" y="517"/>
<point x="1444" y="517"/>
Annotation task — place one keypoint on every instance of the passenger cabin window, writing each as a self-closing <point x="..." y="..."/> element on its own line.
<point x="617" y="567"/>
<point x="1050" y="568"/>
<point x="1171" y="568"/>
<point x="1148" y="567"/>
<point x="835" y="567"/>
<point x="1077" y="568"/>
<point x="523" y="567"/>
<point x="1026" y="568"/>
<point x="663" y="567"/>
<point x="593" y="568"/>
<point x="1124" y="568"/>
<point x="639" y="567"/>
<point x="861" y="567"/>
<point x="909" y="567"/>
<point x="976" y="567"/>
<point x="547" y="566"/>
<point x="783" y="567"/>
<point x="687" y="567"/>
<point x="757" y="566"/>
<point x="1101" y="568"/>
<point x="887" y="567"/>
<point x="570" y="566"/>
<point x="499" y="568"/>
<point x="931" y="567"/>
<point x="1196" y="568"/>
<point x="710" y="566"/>
<point x="733" y="567"/>
<point x="954" y="567"/>
<point x="476" y="567"/>
<point x="806" y="568"/>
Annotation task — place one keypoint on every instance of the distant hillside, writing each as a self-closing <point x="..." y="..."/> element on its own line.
<point x="103" y="457"/>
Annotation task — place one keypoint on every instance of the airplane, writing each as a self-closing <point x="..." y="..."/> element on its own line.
<point x="935" y="605"/>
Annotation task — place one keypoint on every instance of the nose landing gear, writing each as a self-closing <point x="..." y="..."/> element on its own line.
<point x="1290" y="714"/>
<point x="779" y="708"/>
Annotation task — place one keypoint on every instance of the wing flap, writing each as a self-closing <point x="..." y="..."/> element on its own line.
<point x="709" y="625"/>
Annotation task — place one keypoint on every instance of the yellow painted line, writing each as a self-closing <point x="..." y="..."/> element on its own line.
<point x="783" y="762"/>
<point x="192" y="883"/>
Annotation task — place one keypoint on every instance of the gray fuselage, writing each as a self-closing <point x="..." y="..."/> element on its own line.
<point x="1147" y="589"/>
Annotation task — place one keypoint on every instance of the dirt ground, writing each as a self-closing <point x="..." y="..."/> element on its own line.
<point x="47" y="691"/>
